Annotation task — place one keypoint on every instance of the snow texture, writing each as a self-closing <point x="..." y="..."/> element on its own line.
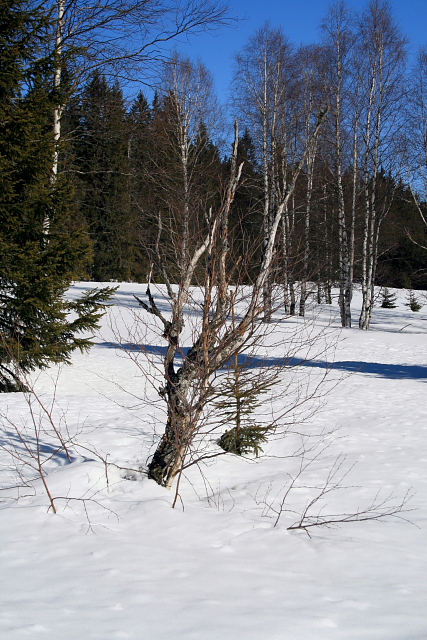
<point x="124" y="564"/>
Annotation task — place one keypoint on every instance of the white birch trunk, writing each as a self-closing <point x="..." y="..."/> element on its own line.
<point x="385" y="53"/>
<point x="57" y="114"/>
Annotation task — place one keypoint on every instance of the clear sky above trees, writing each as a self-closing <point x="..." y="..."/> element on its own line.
<point x="300" y="21"/>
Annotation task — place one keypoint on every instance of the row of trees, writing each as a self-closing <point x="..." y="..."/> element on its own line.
<point x="354" y="210"/>
<point x="357" y="169"/>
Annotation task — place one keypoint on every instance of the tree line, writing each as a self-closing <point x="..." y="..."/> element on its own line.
<point x="139" y="168"/>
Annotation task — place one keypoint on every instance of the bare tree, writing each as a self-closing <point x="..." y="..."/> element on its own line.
<point x="182" y="170"/>
<point x="418" y="121"/>
<point x="416" y="139"/>
<point x="122" y="38"/>
<point x="383" y="50"/>
<point x="341" y="83"/>
<point x="262" y="89"/>
<point x="190" y="109"/>
<point x="215" y="339"/>
<point x="312" y="97"/>
<point x="36" y="438"/>
<point x="314" y="513"/>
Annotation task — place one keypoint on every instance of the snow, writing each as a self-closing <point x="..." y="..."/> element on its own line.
<point x="124" y="564"/>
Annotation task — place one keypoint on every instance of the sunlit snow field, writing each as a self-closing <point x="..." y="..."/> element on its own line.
<point x="124" y="564"/>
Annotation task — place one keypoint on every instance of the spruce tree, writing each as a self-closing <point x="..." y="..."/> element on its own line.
<point x="239" y="397"/>
<point x="103" y="184"/>
<point x="247" y="211"/>
<point x="413" y="302"/>
<point x="388" y="299"/>
<point x="38" y="253"/>
<point x="139" y="121"/>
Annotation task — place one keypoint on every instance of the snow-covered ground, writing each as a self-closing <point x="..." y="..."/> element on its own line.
<point x="124" y="564"/>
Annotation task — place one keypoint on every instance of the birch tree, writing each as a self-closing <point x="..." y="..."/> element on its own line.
<point x="416" y="138"/>
<point x="311" y="97"/>
<point x="418" y="104"/>
<point x="188" y="376"/>
<point x="383" y="50"/>
<point x="181" y="153"/>
<point x="342" y="80"/>
<point x="262" y="88"/>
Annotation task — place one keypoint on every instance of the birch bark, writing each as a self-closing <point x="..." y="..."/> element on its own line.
<point x="339" y="38"/>
<point x="384" y="50"/>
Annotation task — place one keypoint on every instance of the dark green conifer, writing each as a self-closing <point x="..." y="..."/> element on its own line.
<point x="141" y="192"/>
<point x="38" y="253"/>
<point x="101" y="158"/>
<point x="247" y="210"/>
<point x="413" y="302"/>
<point x="388" y="299"/>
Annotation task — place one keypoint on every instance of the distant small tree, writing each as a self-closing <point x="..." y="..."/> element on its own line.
<point x="388" y="299"/>
<point x="413" y="302"/>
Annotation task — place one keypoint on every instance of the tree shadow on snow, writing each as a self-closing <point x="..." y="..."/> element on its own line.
<point x="27" y="447"/>
<point x="390" y="371"/>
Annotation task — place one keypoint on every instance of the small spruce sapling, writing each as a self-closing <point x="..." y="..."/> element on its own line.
<point x="388" y="299"/>
<point x="413" y="302"/>
<point x="239" y="397"/>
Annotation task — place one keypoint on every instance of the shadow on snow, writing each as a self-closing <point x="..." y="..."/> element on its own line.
<point x="391" y="371"/>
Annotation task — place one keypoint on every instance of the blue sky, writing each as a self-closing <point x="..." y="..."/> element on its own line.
<point x="299" y="20"/>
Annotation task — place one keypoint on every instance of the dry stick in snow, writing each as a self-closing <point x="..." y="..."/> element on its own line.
<point x="313" y="514"/>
